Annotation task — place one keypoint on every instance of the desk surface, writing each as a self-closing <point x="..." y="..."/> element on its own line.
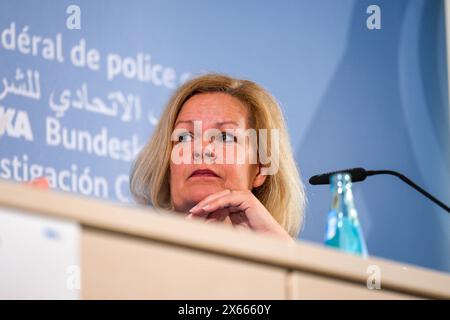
<point x="170" y="228"/>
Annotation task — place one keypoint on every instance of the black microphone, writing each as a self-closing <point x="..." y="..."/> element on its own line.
<point x="360" y="174"/>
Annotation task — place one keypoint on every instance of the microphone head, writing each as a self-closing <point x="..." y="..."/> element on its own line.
<point x="357" y="174"/>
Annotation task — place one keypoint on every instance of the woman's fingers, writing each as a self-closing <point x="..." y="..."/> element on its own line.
<point x="198" y="208"/>
<point x="234" y="201"/>
<point x="243" y="210"/>
<point x="239" y="219"/>
<point x="218" y="215"/>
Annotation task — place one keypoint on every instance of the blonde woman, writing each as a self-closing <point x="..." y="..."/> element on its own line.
<point x="221" y="153"/>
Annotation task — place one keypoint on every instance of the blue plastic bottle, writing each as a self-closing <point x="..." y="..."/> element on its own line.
<point x="343" y="228"/>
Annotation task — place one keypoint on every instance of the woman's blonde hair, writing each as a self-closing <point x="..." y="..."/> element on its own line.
<point x="282" y="193"/>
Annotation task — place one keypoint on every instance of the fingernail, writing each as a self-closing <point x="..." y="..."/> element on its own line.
<point x="193" y="209"/>
<point x="205" y="207"/>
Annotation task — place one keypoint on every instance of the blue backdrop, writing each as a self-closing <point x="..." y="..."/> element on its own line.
<point x="76" y="105"/>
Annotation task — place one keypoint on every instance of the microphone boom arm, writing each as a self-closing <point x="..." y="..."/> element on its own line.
<point x="410" y="183"/>
<point x="360" y="174"/>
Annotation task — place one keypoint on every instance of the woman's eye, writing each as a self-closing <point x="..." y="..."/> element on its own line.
<point x="185" y="137"/>
<point x="228" y="137"/>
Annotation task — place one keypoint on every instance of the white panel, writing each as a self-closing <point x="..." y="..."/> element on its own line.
<point x="39" y="257"/>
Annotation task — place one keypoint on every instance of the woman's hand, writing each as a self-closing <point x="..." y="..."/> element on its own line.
<point x="243" y="209"/>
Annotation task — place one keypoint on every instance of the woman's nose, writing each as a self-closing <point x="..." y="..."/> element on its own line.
<point x="207" y="150"/>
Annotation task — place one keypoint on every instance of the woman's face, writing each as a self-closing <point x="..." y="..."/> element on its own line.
<point x="218" y="111"/>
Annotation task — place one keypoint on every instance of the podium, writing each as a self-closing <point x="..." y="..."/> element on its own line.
<point x="63" y="246"/>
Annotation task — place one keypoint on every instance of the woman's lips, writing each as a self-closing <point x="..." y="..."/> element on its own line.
<point x="203" y="174"/>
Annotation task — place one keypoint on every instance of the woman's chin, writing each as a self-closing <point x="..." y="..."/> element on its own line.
<point x="198" y="193"/>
